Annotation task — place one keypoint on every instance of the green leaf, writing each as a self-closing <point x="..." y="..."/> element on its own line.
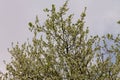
<point x="30" y="24"/>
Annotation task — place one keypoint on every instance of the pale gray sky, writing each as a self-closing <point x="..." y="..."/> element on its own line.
<point x="102" y="16"/>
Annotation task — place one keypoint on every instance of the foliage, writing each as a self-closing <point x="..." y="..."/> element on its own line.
<point x="63" y="50"/>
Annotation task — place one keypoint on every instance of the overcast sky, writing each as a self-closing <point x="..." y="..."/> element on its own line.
<point x="102" y="16"/>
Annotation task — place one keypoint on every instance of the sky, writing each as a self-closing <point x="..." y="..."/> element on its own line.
<point x="102" y="17"/>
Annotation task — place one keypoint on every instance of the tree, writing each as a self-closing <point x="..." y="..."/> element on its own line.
<point x="63" y="50"/>
<point x="118" y="22"/>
